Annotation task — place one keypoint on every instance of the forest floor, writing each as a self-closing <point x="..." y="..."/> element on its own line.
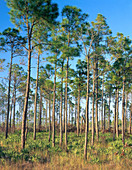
<point x="39" y="154"/>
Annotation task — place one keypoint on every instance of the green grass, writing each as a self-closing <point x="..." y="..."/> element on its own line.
<point x="41" y="152"/>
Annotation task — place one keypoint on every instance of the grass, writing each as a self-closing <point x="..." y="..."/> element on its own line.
<point x="39" y="154"/>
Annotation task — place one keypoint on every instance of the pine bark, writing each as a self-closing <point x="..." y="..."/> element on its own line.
<point x="35" y="102"/>
<point x="53" y="113"/>
<point x="40" y="111"/>
<point x="78" y="110"/>
<point x="14" y="104"/>
<point x="123" y="107"/>
<point x="87" y="112"/>
<point x="8" y="104"/>
<point x="66" y="97"/>
<point x="96" y="103"/>
<point x="93" y="126"/>
<point x="49" y="119"/>
<point x="117" y="112"/>
<point x="125" y="121"/>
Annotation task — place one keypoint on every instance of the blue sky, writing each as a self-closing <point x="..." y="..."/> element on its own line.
<point x="117" y="12"/>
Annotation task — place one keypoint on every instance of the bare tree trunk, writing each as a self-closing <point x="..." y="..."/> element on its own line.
<point x="109" y="113"/>
<point x="114" y="126"/>
<point x="130" y="119"/>
<point x="64" y="114"/>
<point x="61" y="105"/>
<point x="96" y="103"/>
<point x="104" y="116"/>
<point x="75" y="111"/>
<point x="14" y="104"/>
<point x="66" y="96"/>
<point x="102" y="103"/>
<point x="26" y="101"/>
<point x="93" y="126"/>
<point x="49" y="119"/>
<point x="46" y="115"/>
<point x="123" y="107"/>
<point x="53" y="114"/>
<point x="40" y="111"/>
<point x="35" y="102"/>
<point x="117" y="112"/>
<point x="78" y="110"/>
<point x="125" y="121"/>
<point x="69" y="113"/>
<point x="11" y="112"/>
<point x="8" y="104"/>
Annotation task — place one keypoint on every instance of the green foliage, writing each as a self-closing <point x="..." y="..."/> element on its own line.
<point x="35" y="151"/>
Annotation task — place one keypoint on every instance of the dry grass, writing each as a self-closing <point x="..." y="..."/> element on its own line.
<point x="68" y="162"/>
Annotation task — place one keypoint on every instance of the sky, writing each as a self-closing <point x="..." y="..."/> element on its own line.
<point x="117" y="12"/>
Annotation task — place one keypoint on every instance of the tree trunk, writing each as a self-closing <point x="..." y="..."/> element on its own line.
<point x="8" y="104"/>
<point x="66" y="96"/>
<point x="75" y="110"/>
<point x="26" y="99"/>
<point x="130" y="123"/>
<point x="53" y="114"/>
<point x="61" y="106"/>
<point x="87" y="112"/>
<point x="78" y="110"/>
<point x="114" y="126"/>
<point x="104" y="117"/>
<point x="69" y="113"/>
<point x="35" y="102"/>
<point x="14" y="104"/>
<point x="102" y="103"/>
<point x="93" y="105"/>
<point x="96" y="103"/>
<point x="125" y="121"/>
<point x="117" y="112"/>
<point x="46" y="115"/>
<point x="11" y="112"/>
<point x="109" y="113"/>
<point x="40" y="111"/>
<point x="123" y="107"/>
<point x="49" y="119"/>
<point x="64" y="114"/>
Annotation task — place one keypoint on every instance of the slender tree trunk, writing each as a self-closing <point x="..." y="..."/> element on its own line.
<point x="40" y="111"/>
<point x="130" y="119"/>
<point x="26" y="96"/>
<point x="53" y="114"/>
<point x="102" y="103"/>
<point x="75" y="111"/>
<point x="11" y="112"/>
<point x="49" y="119"/>
<point x="81" y="125"/>
<point x="125" y="121"/>
<point x="87" y="112"/>
<point x="96" y="104"/>
<point x="93" y="126"/>
<point x="109" y="113"/>
<point x="61" y="106"/>
<point x="64" y="114"/>
<point x="46" y="114"/>
<point x="66" y="96"/>
<point x="78" y="110"/>
<point x="69" y="113"/>
<point x="14" y="104"/>
<point x="114" y="126"/>
<point x="35" y="102"/>
<point x="117" y="112"/>
<point x="8" y="104"/>
<point x="123" y="107"/>
<point x="104" y="117"/>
